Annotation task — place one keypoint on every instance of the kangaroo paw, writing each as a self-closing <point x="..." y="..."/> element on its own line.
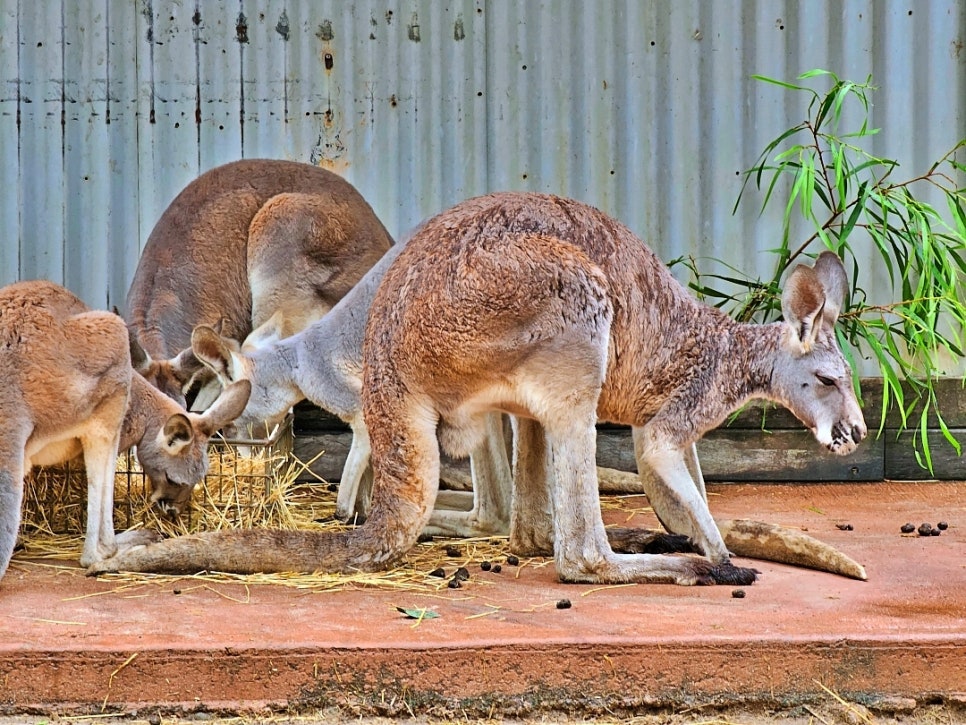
<point x="729" y="574"/>
<point x="136" y="537"/>
<point x="630" y="540"/>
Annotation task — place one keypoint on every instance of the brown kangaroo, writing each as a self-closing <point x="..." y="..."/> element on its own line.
<point x="549" y="310"/>
<point x="245" y="243"/>
<point x="69" y="389"/>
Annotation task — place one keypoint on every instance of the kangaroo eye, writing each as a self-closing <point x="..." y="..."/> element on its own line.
<point x="825" y="381"/>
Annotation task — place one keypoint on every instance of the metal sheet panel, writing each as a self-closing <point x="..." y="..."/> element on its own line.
<point x="644" y="108"/>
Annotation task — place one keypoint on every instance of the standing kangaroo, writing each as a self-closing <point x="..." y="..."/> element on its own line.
<point x="549" y="310"/>
<point x="69" y="389"/>
<point x="245" y="243"/>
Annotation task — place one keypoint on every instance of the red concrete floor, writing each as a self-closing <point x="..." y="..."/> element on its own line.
<point x="501" y="646"/>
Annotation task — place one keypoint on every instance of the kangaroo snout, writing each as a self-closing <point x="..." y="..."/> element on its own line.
<point x="846" y="436"/>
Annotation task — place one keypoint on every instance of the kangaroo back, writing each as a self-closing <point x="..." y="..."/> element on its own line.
<point x="253" y="236"/>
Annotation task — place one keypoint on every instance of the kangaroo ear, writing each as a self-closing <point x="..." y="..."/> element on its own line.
<point x="185" y="366"/>
<point x="835" y="282"/>
<point x="226" y="408"/>
<point x="802" y="303"/>
<point x="215" y="352"/>
<point x="176" y="434"/>
<point x="140" y="360"/>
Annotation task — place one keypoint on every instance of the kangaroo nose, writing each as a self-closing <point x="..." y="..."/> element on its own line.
<point x="858" y="432"/>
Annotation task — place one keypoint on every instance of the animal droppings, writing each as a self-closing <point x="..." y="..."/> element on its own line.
<point x="485" y="565"/>
<point x="462" y="574"/>
<point x="177" y="591"/>
<point x="453" y="551"/>
<point x="564" y="604"/>
<point x="925" y="529"/>
<point x="908" y="528"/>
<point x="942" y="526"/>
<point x="844" y="527"/>
<point x="332" y="487"/>
<point x="438" y="572"/>
<point x="497" y="568"/>
<point x="738" y="594"/>
<point x="454" y="583"/>
<point x="512" y="560"/>
<point x="935" y="532"/>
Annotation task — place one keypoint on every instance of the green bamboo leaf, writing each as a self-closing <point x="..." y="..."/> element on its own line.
<point x="805" y="184"/>
<point x="958" y="213"/>
<point x="840" y="167"/>
<point x="863" y="131"/>
<point x="857" y="209"/>
<point x="816" y="72"/>
<point x="783" y="84"/>
<point x="844" y="90"/>
<point x="419" y="613"/>
<point x="924" y="439"/>
<point x="948" y="435"/>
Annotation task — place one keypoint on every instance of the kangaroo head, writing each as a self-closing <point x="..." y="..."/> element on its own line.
<point x="811" y="376"/>
<point x="268" y="403"/>
<point x="174" y="377"/>
<point x="174" y="449"/>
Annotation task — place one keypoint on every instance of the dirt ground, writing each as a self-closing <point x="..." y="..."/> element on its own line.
<point x="832" y="711"/>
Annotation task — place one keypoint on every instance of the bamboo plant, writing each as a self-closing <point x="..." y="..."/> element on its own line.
<point x="829" y="185"/>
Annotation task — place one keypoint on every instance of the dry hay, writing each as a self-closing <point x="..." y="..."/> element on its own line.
<point x="267" y="490"/>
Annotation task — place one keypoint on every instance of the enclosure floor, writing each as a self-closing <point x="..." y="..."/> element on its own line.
<point x="70" y="643"/>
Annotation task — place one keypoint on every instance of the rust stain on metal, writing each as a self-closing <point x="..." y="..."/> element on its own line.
<point x="324" y="33"/>
<point x="282" y="27"/>
<point x="241" y="28"/>
<point x="330" y="151"/>
<point x="413" y="29"/>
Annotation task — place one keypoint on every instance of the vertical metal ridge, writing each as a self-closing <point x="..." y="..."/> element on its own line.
<point x="645" y="109"/>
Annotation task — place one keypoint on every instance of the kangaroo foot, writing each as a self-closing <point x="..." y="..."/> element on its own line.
<point x="729" y="574"/>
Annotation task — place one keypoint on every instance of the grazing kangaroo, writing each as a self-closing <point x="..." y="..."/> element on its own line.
<point x="244" y="243"/>
<point x="69" y="389"/>
<point x="549" y="310"/>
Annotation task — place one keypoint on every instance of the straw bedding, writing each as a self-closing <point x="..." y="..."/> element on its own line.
<point x="266" y="490"/>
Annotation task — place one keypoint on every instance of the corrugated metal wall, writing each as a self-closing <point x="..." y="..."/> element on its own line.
<point x="645" y="108"/>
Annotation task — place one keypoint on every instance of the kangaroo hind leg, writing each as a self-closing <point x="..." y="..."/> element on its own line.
<point x="11" y="502"/>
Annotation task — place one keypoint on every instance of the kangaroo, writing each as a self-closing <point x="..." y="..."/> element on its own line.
<point x="323" y="364"/>
<point x="70" y="390"/>
<point x="245" y="243"/>
<point x="547" y="309"/>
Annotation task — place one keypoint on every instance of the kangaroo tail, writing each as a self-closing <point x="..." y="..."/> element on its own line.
<point x="769" y="542"/>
